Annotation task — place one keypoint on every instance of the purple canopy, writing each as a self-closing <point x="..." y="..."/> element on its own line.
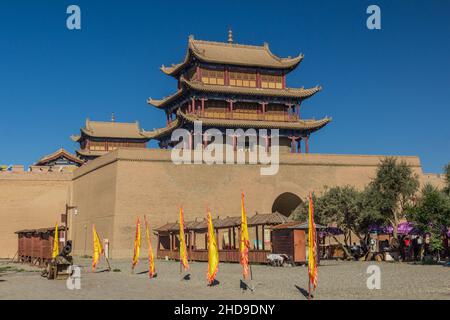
<point x="403" y="228"/>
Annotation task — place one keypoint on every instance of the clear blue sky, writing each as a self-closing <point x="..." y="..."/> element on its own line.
<point x="388" y="91"/>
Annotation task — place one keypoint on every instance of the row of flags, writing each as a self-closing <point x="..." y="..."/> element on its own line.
<point x="213" y="250"/>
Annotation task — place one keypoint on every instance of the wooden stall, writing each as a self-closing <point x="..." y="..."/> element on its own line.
<point x="290" y="239"/>
<point x="35" y="245"/>
<point x="227" y="233"/>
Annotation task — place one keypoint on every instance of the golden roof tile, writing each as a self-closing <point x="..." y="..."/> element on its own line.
<point x="232" y="54"/>
<point x="111" y="129"/>
<point x="57" y="154"/>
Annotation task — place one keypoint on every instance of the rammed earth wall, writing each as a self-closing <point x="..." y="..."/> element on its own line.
<point x="112" y="190"/>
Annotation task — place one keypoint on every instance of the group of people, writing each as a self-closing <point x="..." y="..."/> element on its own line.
<point x="414" y="247"/>
<point x="411" y="247"/>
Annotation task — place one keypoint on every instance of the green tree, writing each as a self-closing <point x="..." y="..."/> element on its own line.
<point x="447" y="179"/>
<point x="392" y="190"/>
<point x="432" y="215"/>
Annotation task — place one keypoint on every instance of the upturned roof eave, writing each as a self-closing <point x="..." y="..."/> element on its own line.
<point x="287" y="64"/>
<point x="289" y="93"/>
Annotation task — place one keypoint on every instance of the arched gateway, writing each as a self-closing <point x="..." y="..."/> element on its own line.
<point x="286" y="203"/>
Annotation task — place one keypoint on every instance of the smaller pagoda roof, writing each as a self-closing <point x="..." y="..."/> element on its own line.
<point x="58" y="154"/>
<point x="232" y="54"/>
<point x="311" y="125"/>
<point x="112" y="129"/>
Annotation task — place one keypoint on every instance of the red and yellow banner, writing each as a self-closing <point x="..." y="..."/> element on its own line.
<point x="151" y="258"/>
<point x="98" y="248"/>
<point x="244" y="241"/>
<point x="55" y="251"/>
<point x="183" y="250"/>
<point x="312" y="245"/>
<point x="213" y="251"/>
<point x="137" y="244"/>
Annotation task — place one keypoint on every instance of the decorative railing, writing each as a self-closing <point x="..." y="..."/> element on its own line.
<point x="253" y="116"/>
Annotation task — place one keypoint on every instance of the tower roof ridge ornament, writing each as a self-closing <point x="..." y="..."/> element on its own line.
<point x="230" y="36"/>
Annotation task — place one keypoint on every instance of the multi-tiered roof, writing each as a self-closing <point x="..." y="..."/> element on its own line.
<point x="229" y="85"/>
<point x="98" y="138"/>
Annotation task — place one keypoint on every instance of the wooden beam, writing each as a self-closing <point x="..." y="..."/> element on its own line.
<point x="257" y="238"/>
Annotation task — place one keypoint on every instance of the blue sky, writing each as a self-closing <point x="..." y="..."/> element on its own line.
<point x="388" y="90"/>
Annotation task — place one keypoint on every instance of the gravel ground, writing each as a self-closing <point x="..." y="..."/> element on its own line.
<point x="337" y="280"/>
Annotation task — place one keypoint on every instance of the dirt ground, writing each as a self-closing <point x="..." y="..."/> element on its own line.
<point x="337" y="280"/>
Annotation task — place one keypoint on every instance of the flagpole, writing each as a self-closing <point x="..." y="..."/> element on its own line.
<point x="309" y="283"/>
<point x="107" y="262"/>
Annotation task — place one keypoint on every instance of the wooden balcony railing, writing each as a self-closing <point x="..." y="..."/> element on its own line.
<point x="256" y="116"/>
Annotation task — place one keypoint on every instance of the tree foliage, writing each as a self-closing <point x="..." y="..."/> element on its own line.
<point x="432" y="214"/>
<point x="392" y="190"/>
<point x="447" y="179"/>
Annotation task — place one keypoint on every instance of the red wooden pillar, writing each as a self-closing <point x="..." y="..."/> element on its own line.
<point x="289" y="105"/>
<point x="230" y="107"/>
<point x="299" y="145"/>
<point x="293" y="139"/>
<point x="203" y="104"/>
<point x="284" y="81"/>
<point x="192" y="105"/>
<point x="234" y="143"/>
<point x="258" y="79"/>
<point x="263" y="107"/>
<point x="191" y="141"/>
<point x="307" y="144"/>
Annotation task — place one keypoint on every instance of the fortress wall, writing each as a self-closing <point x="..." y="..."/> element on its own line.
<point x="94" y="194"/>
<point x="149" y="183"/>
<point x="112" y="190"/>
<point x="29" y="201"/>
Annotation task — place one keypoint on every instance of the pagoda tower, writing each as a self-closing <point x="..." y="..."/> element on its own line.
<point x="98" y="138"/>
<point x="232" y="86"/>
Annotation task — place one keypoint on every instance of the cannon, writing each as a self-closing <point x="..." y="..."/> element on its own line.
<point x="59" y="267"/>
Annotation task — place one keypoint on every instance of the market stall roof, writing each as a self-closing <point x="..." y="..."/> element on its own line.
<point x="298" y="225"/>
<point x="41" y="230"/>
<point x="225" y="223"/>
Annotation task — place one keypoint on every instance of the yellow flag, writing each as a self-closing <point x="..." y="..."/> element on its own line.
<point x="213" y="251"/>
<point x="98" y="248"/>
<point x="55" y="251"/>
<point x="312" y="245"/>
<point x="244" y="241"/>
<point x="183" y="250"/>
<point x="137" y="243"/>
<point x="151" y="259"/>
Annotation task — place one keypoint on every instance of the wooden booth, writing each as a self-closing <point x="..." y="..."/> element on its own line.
<point x="291" y="239"/>
<point x="36" y="245"/>
<point x="227" y="234"/>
